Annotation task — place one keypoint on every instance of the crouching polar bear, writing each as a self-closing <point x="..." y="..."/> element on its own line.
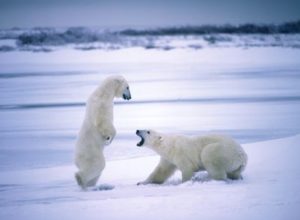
<point x="219" y="155"/>
<point x="97" y="130"/>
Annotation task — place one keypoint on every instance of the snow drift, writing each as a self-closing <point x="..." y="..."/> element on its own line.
<point x="269" y="190"/>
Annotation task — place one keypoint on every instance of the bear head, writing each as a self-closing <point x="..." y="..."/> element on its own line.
<point x="121" y="87"/>
<point x="149" y="138"/>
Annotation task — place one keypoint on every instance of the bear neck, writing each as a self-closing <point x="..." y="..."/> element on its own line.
<point x="105" y="92"/>
<point x="164" y="148"/>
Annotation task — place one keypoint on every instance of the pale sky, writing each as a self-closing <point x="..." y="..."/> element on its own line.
<point x="116" y="13"/>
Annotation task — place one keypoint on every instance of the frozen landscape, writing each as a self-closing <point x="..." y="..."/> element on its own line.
<point x="243" y="85"/>
<point x="269" y="190"/>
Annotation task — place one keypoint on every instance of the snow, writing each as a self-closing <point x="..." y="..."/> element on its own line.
<point x="269" y="190"/>
<point x="92" y="60"/>
<point x="168" y="38"/>
<point x="251" y="93"/>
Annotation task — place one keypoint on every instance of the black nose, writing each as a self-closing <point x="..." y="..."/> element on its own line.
<point x="126" y="97"/>
<point x="137" y="131"/>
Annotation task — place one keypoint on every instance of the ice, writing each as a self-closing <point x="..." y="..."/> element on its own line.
<point x="251" y="93"/>
<point x="269" y="189"/>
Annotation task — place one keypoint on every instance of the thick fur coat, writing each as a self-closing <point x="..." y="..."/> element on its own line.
<point x="97" y="130"/>
<point x="219" y="155"/>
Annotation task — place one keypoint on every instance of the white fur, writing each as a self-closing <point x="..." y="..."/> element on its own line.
<point x="219" y="155"/>
<point x="97" y="130"/>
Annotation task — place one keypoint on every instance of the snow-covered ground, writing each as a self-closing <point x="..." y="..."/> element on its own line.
<point x="269" y="190"/>
<point x="251" y="93"/>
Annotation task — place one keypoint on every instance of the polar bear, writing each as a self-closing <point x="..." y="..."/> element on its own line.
<point x="219" y="155"/>
<point x="97" y="130"/>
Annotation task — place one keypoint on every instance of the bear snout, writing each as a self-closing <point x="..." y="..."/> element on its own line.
<point x="126" y="97"/>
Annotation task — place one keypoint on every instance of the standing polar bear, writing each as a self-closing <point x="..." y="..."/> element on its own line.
<point x="97" y="130"/>
<point x="219" y="155"/>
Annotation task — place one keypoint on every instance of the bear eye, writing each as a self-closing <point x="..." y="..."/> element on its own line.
<point x="107" y="138"/>
<point x="148" y="132"/>
<point x="127" y="87"/>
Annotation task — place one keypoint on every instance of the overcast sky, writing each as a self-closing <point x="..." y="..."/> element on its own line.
<point x="107" y="13"/>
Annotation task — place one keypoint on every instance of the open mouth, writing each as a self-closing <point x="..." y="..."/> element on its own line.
<point x="141" y="141"/>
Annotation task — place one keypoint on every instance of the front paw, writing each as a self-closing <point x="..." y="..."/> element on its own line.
<point x="108" y="140"/>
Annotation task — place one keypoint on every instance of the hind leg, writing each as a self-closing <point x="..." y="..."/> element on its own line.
<point x="85" y="179"/>
<point x="235" y="175"/>
<point x="217" y="173"/>
<point x="213" y="161"/>
<point x="78" y="179"/>
<point x="82" y="179"/>
<point x="90" y="170"/>
<point x="93" y="181"/>
<point x="89" y="176"/>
